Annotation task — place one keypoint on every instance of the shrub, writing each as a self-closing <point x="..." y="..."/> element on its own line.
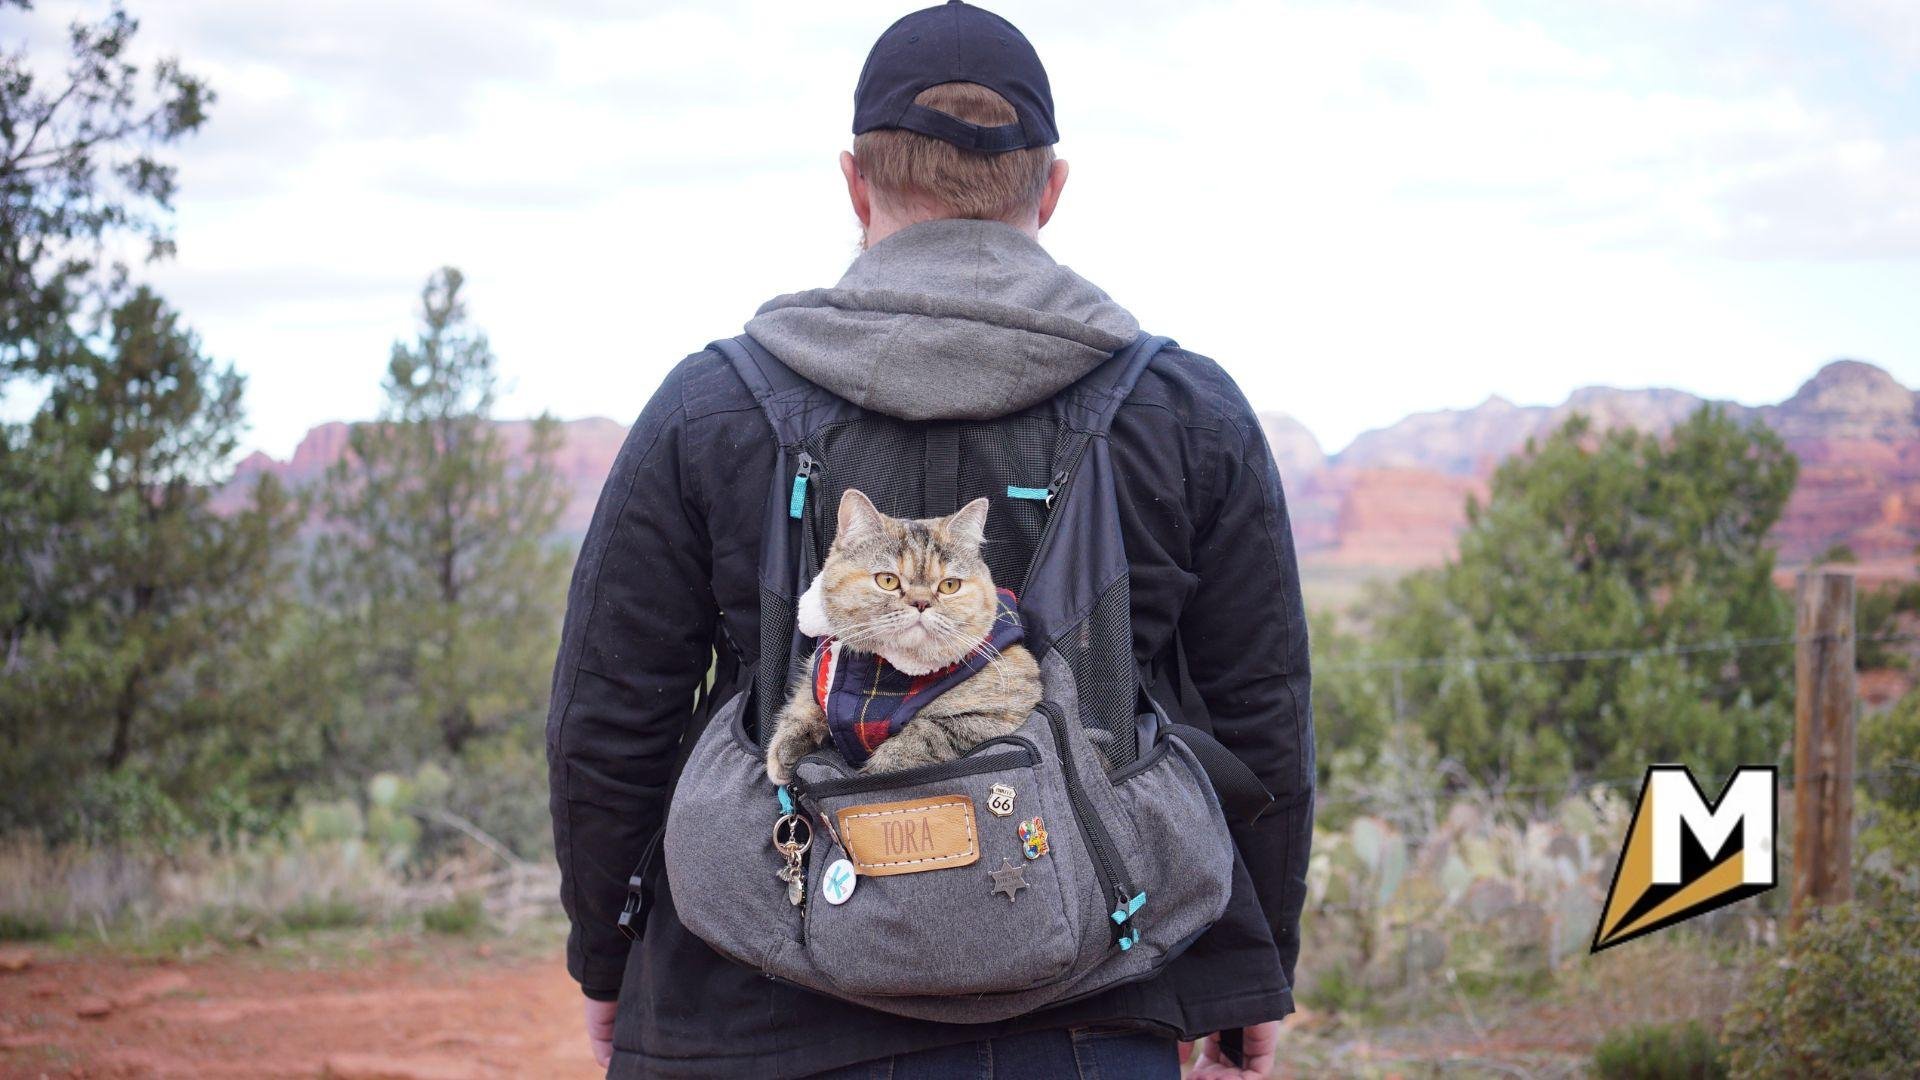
<point x="323" y="913"/>
<point x="1659" y="1052"/>
<point x="18" y="927"/>
<point x="1843" y="1001"/>
<point x="1889" y="800"/>
<point x="462" y="915"/>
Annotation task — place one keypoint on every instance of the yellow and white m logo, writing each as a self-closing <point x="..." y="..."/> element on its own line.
<point x="1684" y="856"/>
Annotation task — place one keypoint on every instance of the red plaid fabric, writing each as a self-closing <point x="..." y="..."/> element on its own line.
<point x="867" y="699"/>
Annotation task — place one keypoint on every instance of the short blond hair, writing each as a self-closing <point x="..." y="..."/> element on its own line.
<point x="907" y="168"/>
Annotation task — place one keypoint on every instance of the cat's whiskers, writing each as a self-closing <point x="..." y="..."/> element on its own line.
<point x="861" y="631"/>
<point x="952" y="633"/>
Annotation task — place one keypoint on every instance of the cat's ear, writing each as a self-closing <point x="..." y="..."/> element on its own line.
<point x="859" y="519"/>
<point x="969" y="524"/>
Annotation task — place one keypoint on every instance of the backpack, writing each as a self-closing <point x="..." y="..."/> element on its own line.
<point x="1083" y="850"/>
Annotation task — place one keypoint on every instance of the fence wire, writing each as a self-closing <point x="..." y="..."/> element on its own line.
<point x="1577" y="655"/>
<point x="1324" y="800"/>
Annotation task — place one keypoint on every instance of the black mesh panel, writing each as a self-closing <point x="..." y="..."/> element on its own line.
<point x="1019" y="452"/>
<point x="877" y="454"/>
<point x="1099" y="651"/>
<point x="886" y="459"/>
<point x="776" y="638"/>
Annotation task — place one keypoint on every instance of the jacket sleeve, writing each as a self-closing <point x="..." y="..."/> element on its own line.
<point x="1244" y="632"/>
<point x="634" y="649"/>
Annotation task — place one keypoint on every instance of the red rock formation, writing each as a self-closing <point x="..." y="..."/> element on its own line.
<point x="1855" y="429"/>
<point x="1395" y="499"/>
<point x="1399" y="519"/>
<point x="586" y="453"/>
<point x="1295" y="450"/>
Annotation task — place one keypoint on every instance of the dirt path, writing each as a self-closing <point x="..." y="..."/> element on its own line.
<point x="403" y="1010"/>
<point x="426" y="1008"/>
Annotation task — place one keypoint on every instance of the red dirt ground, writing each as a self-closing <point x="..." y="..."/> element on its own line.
<point x="403" y="1010"/>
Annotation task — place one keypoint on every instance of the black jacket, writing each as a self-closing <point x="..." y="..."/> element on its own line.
<point x="666" y="583"/>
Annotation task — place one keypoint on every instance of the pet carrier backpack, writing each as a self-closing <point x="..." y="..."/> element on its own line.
<point x="1085" y="849"/>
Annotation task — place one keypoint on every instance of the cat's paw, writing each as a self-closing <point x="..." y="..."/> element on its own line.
<point x="789" y="745"/>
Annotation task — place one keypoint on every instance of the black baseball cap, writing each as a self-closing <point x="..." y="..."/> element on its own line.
<point x="955" y="42"/>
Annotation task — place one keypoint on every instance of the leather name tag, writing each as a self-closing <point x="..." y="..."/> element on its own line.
<point x="909" y="837"/>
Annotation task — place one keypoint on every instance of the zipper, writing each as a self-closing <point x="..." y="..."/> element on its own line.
<point x="802" y="478"/>
<point x="804" y="504"/>
<point x="1115" y="888"/>
<point x="1054" y="487"/>
<point x="1021" y="754"/>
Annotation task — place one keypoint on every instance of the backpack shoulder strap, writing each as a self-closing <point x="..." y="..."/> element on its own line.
<point x="790" y="403"/>
<point x="1092" y="403"/>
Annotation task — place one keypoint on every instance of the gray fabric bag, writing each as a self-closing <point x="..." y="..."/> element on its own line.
<point x="1137" y="860"/>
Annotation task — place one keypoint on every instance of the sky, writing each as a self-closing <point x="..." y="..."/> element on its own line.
<point x="1361" y="209"/>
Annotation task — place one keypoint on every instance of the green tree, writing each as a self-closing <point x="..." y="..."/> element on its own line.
<point x="437" y="562"/>
<point x="126" y="600"/>
<point x="81" y="172"/>
<point x="1597" y="541"/>
<point x="134" y="599"/>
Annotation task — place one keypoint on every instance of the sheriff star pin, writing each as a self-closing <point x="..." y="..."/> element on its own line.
<point x="1008" y="880"/>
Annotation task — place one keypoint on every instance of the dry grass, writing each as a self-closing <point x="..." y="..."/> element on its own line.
<point x="246" y="889"/>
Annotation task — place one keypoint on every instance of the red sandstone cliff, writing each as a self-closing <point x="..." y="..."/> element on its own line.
<point x="1394" y="499"/>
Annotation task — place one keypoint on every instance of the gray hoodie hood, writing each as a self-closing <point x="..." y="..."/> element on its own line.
<point x="950" y="319"/>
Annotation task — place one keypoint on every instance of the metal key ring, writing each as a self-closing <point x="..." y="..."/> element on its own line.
<point x="792" y="834"/>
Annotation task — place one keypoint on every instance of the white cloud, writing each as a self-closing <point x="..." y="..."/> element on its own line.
<point x="1361" y="209"/>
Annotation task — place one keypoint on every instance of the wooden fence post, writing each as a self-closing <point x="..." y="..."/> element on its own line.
<point x="1823" y="708"/>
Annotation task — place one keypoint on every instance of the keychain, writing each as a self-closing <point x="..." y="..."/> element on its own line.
<point x="792" y="836"/>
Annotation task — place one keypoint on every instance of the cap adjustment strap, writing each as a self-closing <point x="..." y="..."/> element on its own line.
<point x="967" y="136"/>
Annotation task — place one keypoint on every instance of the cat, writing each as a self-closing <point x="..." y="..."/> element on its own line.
<point x="898" y="599"/>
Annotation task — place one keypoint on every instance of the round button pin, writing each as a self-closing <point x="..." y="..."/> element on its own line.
<point x="838" y="882"/>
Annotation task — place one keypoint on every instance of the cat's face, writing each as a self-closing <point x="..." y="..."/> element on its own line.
<point x="915" y="591"/>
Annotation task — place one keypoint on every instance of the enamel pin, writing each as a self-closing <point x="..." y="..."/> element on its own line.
<point x="1000" y="800"/>
<point x="1033" y="838"/>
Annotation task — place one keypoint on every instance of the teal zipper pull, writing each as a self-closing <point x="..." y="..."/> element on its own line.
<point x="797" y="502"/>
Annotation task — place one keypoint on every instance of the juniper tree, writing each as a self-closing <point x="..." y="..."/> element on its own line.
<point x="1590" y="542"/>
<point x="137" y="600"/>
<point x="437" y="560"/>
<point x="83" y="178"/>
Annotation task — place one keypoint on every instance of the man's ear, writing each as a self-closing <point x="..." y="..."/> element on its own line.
<point x="1050" y="198"/>
<point x="858" y="192"/>
<point x="859" y="519"/>
<point x="969" y="523"/>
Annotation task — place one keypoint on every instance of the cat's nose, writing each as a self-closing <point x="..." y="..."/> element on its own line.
<point x="920" y="605"/>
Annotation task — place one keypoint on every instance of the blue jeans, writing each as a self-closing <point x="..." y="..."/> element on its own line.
<point x="1086" y="1053"/>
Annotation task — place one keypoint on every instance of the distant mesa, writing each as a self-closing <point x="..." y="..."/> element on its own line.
<point x="587" y="450"/>
<point x="1394" y="499"/>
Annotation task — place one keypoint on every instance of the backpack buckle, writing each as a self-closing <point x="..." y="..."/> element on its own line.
<point x="634" y="907"/>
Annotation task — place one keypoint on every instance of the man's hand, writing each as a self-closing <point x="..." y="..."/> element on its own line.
<point x="1258" y="1043"/>
<point x="600" y="1030"/>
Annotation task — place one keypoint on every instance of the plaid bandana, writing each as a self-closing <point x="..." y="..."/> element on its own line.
<point x="867" y="699"/>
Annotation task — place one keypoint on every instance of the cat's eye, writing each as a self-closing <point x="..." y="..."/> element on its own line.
<point x="888" y="582"/>
<point x="949" y="586"/>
